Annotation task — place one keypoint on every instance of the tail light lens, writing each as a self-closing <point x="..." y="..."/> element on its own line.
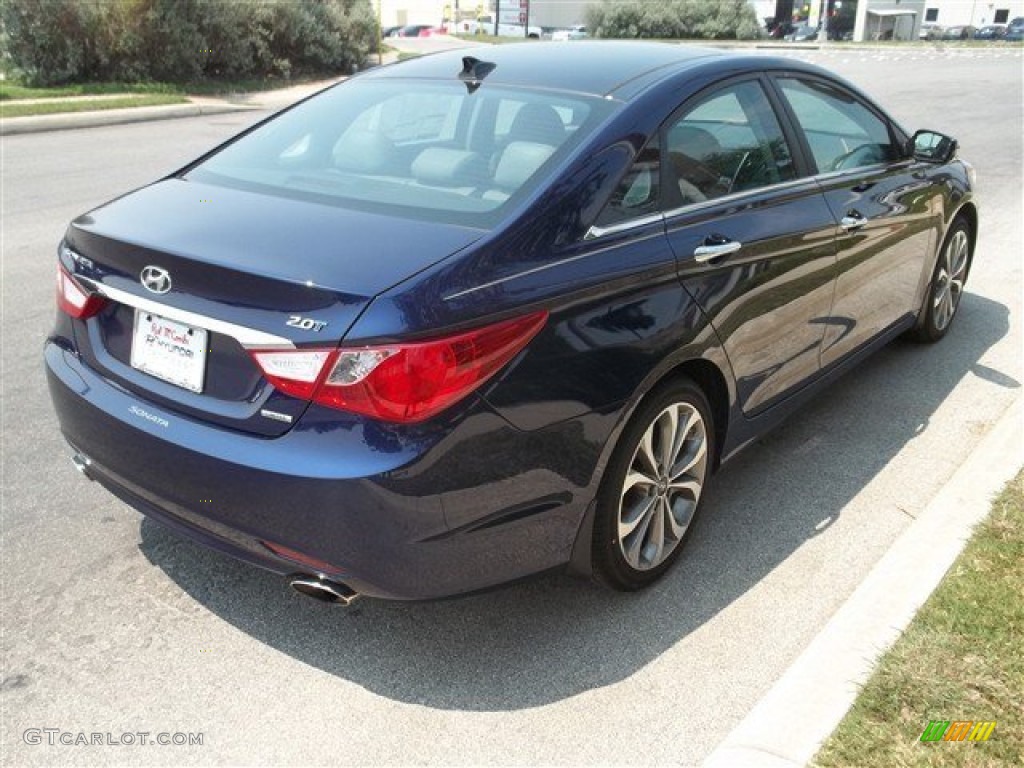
<point x="403" y="383"/>
<point x="75" y="300"/>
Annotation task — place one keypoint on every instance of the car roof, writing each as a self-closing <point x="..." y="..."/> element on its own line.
<point x="595" y="67"/>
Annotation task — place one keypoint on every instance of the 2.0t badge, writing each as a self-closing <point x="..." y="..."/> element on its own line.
<point x="155" y="279"/>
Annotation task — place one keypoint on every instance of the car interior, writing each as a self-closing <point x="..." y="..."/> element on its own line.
<point x="485" y="156"/>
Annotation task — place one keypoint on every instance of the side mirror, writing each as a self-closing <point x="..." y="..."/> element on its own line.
<point x="932" y="147"/>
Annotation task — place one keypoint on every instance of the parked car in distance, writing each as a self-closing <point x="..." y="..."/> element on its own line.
<point x="575" y="32"/>
<point x="485" y="25"/>
<point x="467" y="27"/>
<point x="991" y="32"/>
<point x="390" y="31"/>
<point x="958" y="33"/>
<point x="1015" y="30"/>
<point x="802" y="33"/>
<point x="412" y="30"/>
<point x="496" y="311"/>
<point x="931" y="32"/>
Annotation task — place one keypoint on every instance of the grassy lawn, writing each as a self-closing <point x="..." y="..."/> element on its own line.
<point x="89" y="105"/>
<point x="61" y="98"/>
<point x="12" y="90"/>
<point x="960" y="659"/>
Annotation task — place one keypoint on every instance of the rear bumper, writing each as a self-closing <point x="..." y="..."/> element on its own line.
<point x="409" y="516"/>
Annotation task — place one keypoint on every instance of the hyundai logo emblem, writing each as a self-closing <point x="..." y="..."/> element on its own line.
<point x="155" y="279"/>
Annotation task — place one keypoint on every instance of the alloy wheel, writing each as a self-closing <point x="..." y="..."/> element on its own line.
<point x="949" y="282"/>
<point x="662" y="486"/>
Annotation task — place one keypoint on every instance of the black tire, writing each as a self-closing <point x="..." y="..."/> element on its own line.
<point x="943" y="296"/>
<point x="665" y="501"/>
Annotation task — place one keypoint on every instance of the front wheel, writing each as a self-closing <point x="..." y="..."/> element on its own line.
<point x="652" y="487"/>
<point x="947" y="285"/>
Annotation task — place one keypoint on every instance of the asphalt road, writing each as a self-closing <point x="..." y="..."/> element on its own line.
<point x="113" y="626"/>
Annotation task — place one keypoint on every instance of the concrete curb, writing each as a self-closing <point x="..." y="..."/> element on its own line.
<point x="789" y="724"/>
<point x="90" y="119"/>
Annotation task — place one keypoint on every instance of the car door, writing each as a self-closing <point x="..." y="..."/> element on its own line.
<point x="889" y="212"/>
<point x="753" y="236"/>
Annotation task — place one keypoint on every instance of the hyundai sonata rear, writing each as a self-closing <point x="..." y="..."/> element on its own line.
<point x="214" y="363"/>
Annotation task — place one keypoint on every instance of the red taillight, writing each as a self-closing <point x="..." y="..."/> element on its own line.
<point x="399" y="382"/>
<point x="73" y="299"/>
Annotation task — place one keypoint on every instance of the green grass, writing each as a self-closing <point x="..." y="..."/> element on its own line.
<point x="88" y="105"/>
<point x="960" y="659"/>
<point x="56" y="99"/>
<point x="10" y="90"/>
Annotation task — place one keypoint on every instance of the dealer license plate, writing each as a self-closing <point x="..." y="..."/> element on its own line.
<point x="169" y="350"/>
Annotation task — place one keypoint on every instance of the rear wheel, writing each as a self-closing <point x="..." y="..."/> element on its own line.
<point x="947" y="285"/>
<point x="653" y="486"/>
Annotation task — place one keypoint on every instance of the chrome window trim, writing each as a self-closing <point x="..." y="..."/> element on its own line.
<point x="873" y="168"/>
<point x="250" y="338"/>
<point x="623" y="226"/>
<point x="771" y="188"/>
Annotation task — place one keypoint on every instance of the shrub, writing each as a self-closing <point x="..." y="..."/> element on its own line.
<point x="673" y="19"/>
<point x="61" y="41"/>
<point x="47" y="36"/>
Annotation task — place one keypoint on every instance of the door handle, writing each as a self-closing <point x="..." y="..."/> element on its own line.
<point x="853" y="220"/>
<point x="711" y="251"/>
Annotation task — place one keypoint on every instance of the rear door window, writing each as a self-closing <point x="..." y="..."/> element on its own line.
<point x="725" y="142"/>
<point x="729" y="141"/>
<point x="638" y="194"/>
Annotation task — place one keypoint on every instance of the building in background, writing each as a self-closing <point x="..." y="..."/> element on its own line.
<point x="401" y="12"/>
<point x="867" y="20"/>
<point x="888" y="19"/>
<point x="870" y="20"/>
<point x="976" y="13"/>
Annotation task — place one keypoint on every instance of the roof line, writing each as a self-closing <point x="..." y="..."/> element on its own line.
<point x="647" y="72"/>
<point x="515" y="86"/>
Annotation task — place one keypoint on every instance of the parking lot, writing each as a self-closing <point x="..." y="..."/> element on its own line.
<point x="113" y="625"/>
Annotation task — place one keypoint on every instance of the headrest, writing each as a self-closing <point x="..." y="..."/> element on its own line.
<point x="538" y="123"/>
<point x="519" y="161"/>
<point x="363" y="152"/>
<point x="693" y="142"/>
<point x="449" y="167"/>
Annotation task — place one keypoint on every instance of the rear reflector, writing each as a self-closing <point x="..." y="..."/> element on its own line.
<point x="402" y="383"/>
<point x="75" y="300"/>
<point x="320" y="566"/>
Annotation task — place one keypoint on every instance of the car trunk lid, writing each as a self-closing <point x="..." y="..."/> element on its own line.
<point x="208" y="273"/>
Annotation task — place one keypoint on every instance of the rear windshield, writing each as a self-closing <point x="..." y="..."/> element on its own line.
<point x="424" y="149"/>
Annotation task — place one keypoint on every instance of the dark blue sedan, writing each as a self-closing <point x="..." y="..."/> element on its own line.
<point x="479" y="315"/>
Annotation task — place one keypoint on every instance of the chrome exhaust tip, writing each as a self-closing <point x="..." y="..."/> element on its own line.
<point x="322" y="589"/>
<point x="82" y="463"/>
